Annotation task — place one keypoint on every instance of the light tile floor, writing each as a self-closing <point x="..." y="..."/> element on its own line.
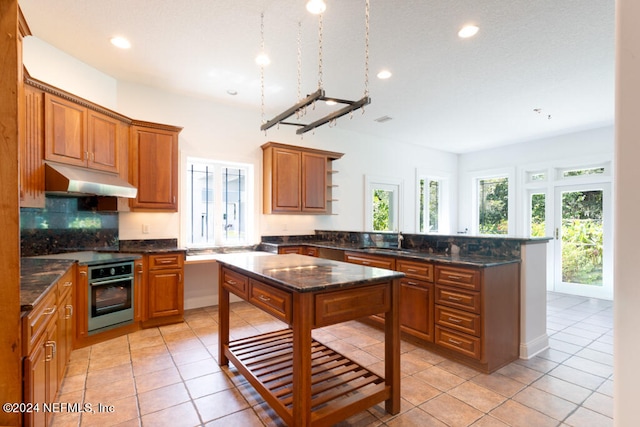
<point x="169" y="376"/>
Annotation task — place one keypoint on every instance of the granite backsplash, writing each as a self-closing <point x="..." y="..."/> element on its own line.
<point x="64" y="226"/>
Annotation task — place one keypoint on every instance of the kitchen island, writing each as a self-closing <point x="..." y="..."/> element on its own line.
<point x="305" y="382"/>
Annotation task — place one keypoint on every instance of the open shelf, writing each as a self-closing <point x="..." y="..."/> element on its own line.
<point x="339" y="386"/>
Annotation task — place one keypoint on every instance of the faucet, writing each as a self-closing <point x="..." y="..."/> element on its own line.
<point x="400" y="239"/>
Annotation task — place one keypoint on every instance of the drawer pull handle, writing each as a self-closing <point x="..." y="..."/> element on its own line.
<point x="452" y="341"/>
<point x="411" y="270"/>
<point x="166" y="261"/>
<point x="232" y="282"/>
<point x="52" y="345"/>
<point x="454" y="277"/>
<point x="454" y="298"/>
<point x="83" y="273"/>
<point x="412" y="283"/>
<point x="365" y="263"/>
<point x="49" y="311"/>
<point x="69" y="309"/>
<point x="68" y="284"/>
<point x="264" y="298"/>
<point x="454" y="320"/>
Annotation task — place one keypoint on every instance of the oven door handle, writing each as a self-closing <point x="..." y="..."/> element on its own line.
<point x="106" y="282"/>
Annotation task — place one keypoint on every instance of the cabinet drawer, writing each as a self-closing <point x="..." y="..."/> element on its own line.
<point x="369" y="261"/>
<point x="462" y="321"/>
<point x="38" y="319"/>
<point x="65" y="284"/>
<point x="165" y="261"/>
<point x="290" y="250"/>
<point x="460" y="277"/>
<point x="272" y="300"/>
<point x="462" y="343"/>
<point x="336" y="307"/>
<point x="415" y="270"/>
<point x="414" y="282"/>
<point x="236" y="283"/>
<point x="309" y="251"/>
<point x="457" y="298"/>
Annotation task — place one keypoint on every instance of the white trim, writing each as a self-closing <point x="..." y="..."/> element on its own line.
<point x="396" y="184"/>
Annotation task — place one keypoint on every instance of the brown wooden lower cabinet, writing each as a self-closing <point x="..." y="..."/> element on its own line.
<point x="47" y="336"/>
<point x="164" y="288"/>
<point x="469" y="313"/>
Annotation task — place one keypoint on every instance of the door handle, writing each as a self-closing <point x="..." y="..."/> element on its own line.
<point x="557" y="233"/>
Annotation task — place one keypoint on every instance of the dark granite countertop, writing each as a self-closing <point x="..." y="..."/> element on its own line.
<point x="301" y="273"/>
<point x="37" y="276"/>
<point x="93" y="257"/>
<point x="150" y="246"/>
<point x="471" y="261"/>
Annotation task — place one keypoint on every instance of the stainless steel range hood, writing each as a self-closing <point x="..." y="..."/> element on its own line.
<point x="67" y="180"/>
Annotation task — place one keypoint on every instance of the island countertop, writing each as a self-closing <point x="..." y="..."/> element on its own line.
<point x="302" y="273"/>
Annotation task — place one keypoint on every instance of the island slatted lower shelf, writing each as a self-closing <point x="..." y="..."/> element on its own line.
<point x="337" y="382"/>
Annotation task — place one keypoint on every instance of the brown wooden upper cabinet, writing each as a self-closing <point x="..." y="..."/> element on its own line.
<point x="296" y="179"/>
<point x="153" y="157"/>
<point x="77" y="135"/>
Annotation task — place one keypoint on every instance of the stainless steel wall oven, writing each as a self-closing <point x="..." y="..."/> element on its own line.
<point x="110" y="295"/>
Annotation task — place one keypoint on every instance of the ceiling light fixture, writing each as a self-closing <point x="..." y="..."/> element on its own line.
<point x="468" y="31"/>
<point x="384" y="74"/>
<point x="120" y="42"/>
<point x="316" y="6"/>
<point x="263" y="59"/>
<point x="232" y="92"/>
<point x="300" y="108"/>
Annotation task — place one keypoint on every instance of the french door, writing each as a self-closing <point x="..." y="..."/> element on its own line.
<point x="582" y="236"/>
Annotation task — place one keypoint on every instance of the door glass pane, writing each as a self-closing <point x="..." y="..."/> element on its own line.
<point x="538" y="207"/>
<point x="234" y="195"/>
<point x="200" y="191"/>
<point x="582" y="232"/>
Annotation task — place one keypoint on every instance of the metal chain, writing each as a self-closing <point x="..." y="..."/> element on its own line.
<point x="366" y="48"/>
<point x="299" y="60"/>
<point x="320" y="51"/>
<point x="262" y="67"/>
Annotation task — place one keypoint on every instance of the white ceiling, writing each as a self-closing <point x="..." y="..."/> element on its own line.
<point x="453" y="94"/>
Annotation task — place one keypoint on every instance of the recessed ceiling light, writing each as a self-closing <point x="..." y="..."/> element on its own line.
<point x="383" y="119"/>
<point x="468" y="31"/>
<point x="384" y="74"/>
<point x="232" y="92"/>
<point x="120" y="42"/>
<point x="316" y="6"/>
<point x="263" y="59"/>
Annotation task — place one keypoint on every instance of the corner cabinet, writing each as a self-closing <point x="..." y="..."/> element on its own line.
<point x="153" y="157"/>
<point x="297" y="180"/>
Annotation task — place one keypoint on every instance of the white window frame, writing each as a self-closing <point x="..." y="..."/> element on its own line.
<point x="444" y="201"/>
<point x="476" y="176"/>
<point x="218" y="207"/>
<point x="378" y="182"/>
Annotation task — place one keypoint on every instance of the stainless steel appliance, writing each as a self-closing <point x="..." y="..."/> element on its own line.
<point x="110" y="295"/>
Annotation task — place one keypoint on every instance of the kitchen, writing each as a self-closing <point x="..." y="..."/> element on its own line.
<point x="196" y="117"/>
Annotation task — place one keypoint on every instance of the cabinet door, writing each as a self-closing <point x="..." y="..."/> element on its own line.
<point x="166" y="293"/>
<point x="102" y="142"/>
<point x="154" y="171"/>
<point x="32" y="150"/>
<point x="65" y="333"/>
<point x="35" y="383"/>
<point x="51" y="359"/>
<point x="65" y="131"/>
<point x="416" y="315"/>
<point x="314" y="183"/>
<point x="286" y="180"/>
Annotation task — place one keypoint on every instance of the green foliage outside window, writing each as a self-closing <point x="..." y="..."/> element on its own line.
<point x="381" y="203"/>
<point x="493" y="211"/>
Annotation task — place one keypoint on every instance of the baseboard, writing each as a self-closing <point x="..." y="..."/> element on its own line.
<point x="533" y="347"/>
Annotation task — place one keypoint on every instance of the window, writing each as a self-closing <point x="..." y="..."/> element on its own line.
<point x="218" y="196"/>
<point x="493" y="205"/>
<point x="383" y="201"/>
<point x="430" y="204"/>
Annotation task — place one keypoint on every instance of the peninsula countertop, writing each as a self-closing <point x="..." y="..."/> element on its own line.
<point x="301" y="273"/>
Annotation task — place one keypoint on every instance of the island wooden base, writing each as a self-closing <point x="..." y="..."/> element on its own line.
<point x="340" y="387"/>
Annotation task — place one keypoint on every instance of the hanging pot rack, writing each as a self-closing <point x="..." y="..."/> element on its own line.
<point x="299" y="108"/>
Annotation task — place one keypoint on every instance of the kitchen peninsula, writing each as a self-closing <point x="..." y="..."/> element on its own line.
<point x="305" y="382"/>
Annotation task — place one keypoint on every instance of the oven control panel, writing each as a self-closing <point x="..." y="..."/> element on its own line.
<point x="109" y="271"/>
